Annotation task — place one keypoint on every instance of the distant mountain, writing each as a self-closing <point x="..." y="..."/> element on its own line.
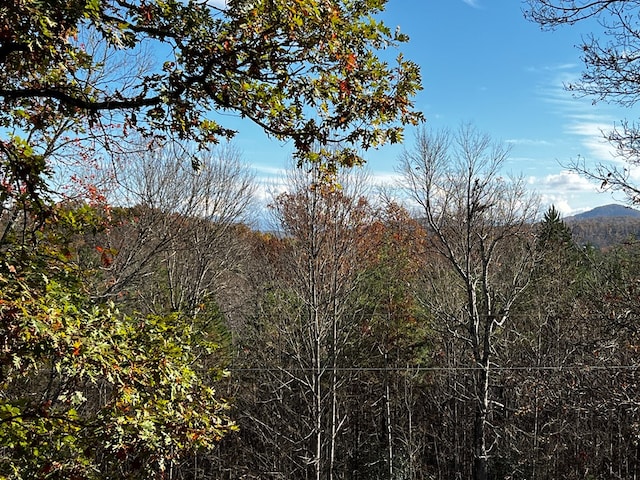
<point x="605" y="226"/>
<point x="606" y="211"/>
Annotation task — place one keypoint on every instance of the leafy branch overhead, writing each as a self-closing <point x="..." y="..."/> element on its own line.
<point x="308" y="70"/>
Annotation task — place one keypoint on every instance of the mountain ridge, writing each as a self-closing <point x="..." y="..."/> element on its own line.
<point x="612" y="210"/>
<point x="606" y="226"/>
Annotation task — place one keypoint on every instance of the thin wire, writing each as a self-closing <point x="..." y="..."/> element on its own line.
<point x="439" y="369"/>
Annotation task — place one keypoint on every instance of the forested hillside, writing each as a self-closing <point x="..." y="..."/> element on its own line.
<point x="343" y="345"/>
<point x="605" y="227"/>
<point x="124" y="267"/>
<point x="437" y="330"/>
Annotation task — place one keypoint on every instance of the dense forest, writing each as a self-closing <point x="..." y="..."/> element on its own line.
<point x="359" y="339"/>
<point x="442" y="328"/>
<point x="605" y="232"/>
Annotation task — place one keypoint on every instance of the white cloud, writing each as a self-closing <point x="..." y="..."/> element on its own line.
<point x="573" y="205"/>
<point x="472" y="3"/>
<point x="382" y="179"/>
<point x="565" y="181"/>
<point x="561" y="203"/>
<point x="530" y="142"/>
<point x="568" y="191"/>
<point x="270" y="183"/>
<point x="634" y="174"/>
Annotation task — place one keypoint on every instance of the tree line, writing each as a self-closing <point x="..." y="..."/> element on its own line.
<point x="457" y="335"/>
<point x="147" y="331"/>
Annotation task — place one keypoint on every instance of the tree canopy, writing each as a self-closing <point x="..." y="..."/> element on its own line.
<point x="308" y="70"/>
<point x="86" y="390"/>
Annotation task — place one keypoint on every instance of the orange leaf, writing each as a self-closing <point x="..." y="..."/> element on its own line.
<point x="351" y="62"/>
<point x="344" y="87"/>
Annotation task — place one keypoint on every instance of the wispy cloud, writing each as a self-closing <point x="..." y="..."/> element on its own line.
<point x="590" y="130"/>
<point x="531" y="142"/>
<point x="270" y="171"/>
<point x="270" y="182"/>
<point x="582" y="120"/>
<point x="472" y="3"/>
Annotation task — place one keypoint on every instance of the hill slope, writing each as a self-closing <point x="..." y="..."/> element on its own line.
<point x="605" y="226"/>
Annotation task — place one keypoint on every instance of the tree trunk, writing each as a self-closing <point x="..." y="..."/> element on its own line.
<point x="480" y="457"/>
<point x="389" y="425"/>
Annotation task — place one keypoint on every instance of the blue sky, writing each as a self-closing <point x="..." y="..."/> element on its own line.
<point x="483" y="63"/>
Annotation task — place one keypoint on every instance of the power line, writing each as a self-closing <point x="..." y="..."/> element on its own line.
<point x="551" y="368"/>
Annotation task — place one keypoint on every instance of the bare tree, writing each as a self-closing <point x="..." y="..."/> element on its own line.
<point x="293" y="402"/>
<point x="175" y="236"/>
<point x="324" y="221"/>
<point x="483" y="245"/>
